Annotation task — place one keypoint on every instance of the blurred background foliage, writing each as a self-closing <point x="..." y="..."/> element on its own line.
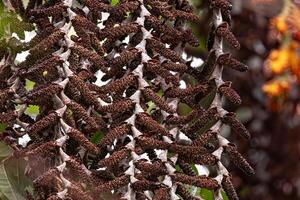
<point x="269" y="31"/>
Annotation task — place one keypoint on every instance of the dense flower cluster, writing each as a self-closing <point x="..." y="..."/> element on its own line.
<point x="135" y="48"/>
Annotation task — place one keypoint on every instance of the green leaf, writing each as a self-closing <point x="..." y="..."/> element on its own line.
<point x="6" y="188"/>
<point x="29" y="84"/>
<point x="184" y="109"/>
<point x="208" y="99"/>
<point x="206" y="194"/>
<point x="160" y="93"/>
<point x="209" y="195"/>
<point x="195" y="169"/>
<point x="244" y="191"/>
<point x="96" y="138"/>
<point x="5" y="151"/>
<point x="224" y="195"/>
<point x="2" y="196"/>
<point x="178" y="169"/>
<point x="32" y="110"/>
<point x="13" y="181"/>
<point x="151" y="107"/>
<point x="2" y="127"/>
<point x="114" y="2"/>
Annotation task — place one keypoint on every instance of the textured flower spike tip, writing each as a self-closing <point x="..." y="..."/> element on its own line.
<point x="109" y="83"/>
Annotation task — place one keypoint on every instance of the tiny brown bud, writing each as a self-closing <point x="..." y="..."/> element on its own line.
<point x="230" y="93"/>
<point x="186" y="168"/>
<point x="181" y="93"/>
<point x="199" y="181"/>
<point x="82" y="140"/>
<point x="187" y="16"/>
<point x="228" y="188"/>
<point x="227" y="60"/>
<point x="8" y="117"/>
<point x="75" y="192"/>
<point x="238" y="159"/>
<point x="47" y="43"/>
<point x="224" y="32"/>
<point x="237" y="127"/>
<point x="54" y="10"/>
<point x="157" y="168"/>
<point x="43" y="150"/>
<point x="150" y="143"/>
<point x="159" y="47"/>
<point x="115" y="133"/>
<point x="99" y="62"/>
<point x="208" y="116"/>
<point x="150" y="124"/>
<point x="143" y="185"/>
<point x="43" y="94"/>
<point x="114" y="158"/>
<point x="43" y="123"/>
<point x="80" y="113"/>
<point x="48" y="179"/>
<point x="221" y="4"/>
<point x="114" y="184"/>
<point x="181" y="67"/>
<point x="151" y="95"/>
<point x="182" y="191"/>
<point x="117" y="107"/>
<point x="162" y="194"/>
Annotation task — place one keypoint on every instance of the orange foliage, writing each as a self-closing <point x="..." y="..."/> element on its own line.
<point x="276" y="88"/>
<point x="284" y="63"/>
<point x="284" y="59"/>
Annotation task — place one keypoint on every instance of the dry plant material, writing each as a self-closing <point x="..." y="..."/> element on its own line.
<point x="109" y="90"/>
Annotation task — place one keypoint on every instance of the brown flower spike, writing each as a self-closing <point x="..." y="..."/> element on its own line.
<point x="110" y="84"/>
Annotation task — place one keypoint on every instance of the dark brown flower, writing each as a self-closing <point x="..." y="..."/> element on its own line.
<point x="199" y="181"/>
<point x="230" y="93"/>
<point x="238" y="159"/>
<point x="184" y="193"/>
<point x="114" y="184"/>
<point x="54" y="10"/>
<point x="81" y="114"/>
<point x="82" y="140"/>
<point x="237" y="127"/>
<point x="157" y="168"/>
<point x="75" y="192"/>
<point x="181" y="93"/>
<point x="99" y="62"/>
<point x="115" y="133"/>
<point x="162" y="194"/>
<point x="160" y="48"/>
<point x="227" y="60"/>
<point x="114" y="158"/>
<point x="150" y="124"/>
<point x="47" y="43"/>
<point x="151" y="95"/>
<point x="43" y="123"/>
<point x="228" y="188"/>
<point x="224" y="32"/>
<point x="143" y="185"/>
<point x="221" y="4"/>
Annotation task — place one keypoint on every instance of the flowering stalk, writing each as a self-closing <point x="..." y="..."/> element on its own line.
<point x="135" y="49"/>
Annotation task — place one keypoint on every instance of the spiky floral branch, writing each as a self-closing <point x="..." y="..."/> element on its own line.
<point x="144" y="154"/>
